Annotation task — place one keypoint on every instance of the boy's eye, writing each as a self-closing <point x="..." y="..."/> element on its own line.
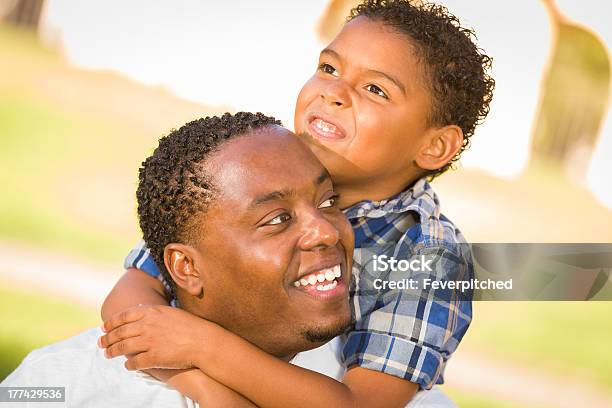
<point x="330" y="202"/>
<point x="376" y="90"/>
<point x="328" y="69"/>
<point x="279" y="219"/>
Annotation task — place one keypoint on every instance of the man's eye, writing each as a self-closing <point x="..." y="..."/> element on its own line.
<point x="330" y="202"/>
<point x="279" y="219"/>
<point x="376" y="90"/>
<point x="328" y="69"/>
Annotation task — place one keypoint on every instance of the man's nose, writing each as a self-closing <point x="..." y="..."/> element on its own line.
<point x="318" y="232"/>
<point x="335" y="93"/>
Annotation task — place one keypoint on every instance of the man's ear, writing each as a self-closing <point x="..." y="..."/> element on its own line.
<point x="441" y="145"/>
<point x="181" y="263"/>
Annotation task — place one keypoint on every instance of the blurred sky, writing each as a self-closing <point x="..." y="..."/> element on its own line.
<point x="256" y="56"/>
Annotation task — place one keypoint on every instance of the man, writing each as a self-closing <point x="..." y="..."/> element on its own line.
<point x="237" y="209"/>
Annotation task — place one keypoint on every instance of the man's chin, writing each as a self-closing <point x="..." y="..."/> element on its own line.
<point x="316" y="336"/>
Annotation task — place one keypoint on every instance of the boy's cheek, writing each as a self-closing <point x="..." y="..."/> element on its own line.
<point x="305" y="97"/>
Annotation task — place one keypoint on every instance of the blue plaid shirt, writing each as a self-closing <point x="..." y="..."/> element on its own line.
<point x="411" y="337"/>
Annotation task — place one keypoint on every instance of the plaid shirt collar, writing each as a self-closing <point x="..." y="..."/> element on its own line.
<point x="419" y="198"/>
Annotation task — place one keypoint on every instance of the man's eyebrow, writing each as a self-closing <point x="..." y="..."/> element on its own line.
<point x="272" y="196"/>
<point x="284" y="194"/>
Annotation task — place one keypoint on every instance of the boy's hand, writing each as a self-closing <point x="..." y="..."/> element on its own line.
<point x="156" y="337"/>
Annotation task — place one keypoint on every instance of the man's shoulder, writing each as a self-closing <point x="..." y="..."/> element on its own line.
<point x="63" y="360"/>
<point x="85" y="342"/>
<point x="89" y="378"/>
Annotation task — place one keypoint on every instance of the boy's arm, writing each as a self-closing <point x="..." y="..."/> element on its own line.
<point x="280" y="384"/>
<point x="148" y="336"/>
<point x="199" y="387"/>
<point x="133" y="288"/>
<point x="138" y="287"/>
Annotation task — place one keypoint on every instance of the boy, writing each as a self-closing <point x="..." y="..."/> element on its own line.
<point x="395" y="99"/>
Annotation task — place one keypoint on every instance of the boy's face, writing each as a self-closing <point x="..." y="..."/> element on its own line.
<point x="274" y="223"/>
<point x="366" y="109"/>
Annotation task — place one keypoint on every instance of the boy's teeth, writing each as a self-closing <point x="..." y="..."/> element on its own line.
<point x="324" y="279"/>
<point x="326" y="126"/>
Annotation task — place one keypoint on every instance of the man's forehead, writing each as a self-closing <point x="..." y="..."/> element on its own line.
<point x="268" y="160"/>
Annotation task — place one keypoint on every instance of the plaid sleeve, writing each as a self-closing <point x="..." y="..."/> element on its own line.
<point x="140" y="258"/>
<point x="411" y="333"/>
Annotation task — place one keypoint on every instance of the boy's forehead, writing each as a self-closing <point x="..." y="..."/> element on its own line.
<point x="374" y="45"/>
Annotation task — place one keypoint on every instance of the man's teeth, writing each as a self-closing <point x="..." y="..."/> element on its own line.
<point x="328" y="286"/>
<point x="318" y="278"/>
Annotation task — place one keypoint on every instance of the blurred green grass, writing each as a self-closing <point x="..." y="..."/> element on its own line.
<point x="565" y="338"/>
<point x="464" y="399"/>
<point x="40" y="153"/>
<point x="32" y="320"/>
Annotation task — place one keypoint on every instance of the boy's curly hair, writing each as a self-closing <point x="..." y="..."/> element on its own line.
<point x="456" y="68"/>
<point x="174" y="190"/>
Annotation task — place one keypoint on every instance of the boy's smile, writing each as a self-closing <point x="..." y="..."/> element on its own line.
<point x="365" y="111"/>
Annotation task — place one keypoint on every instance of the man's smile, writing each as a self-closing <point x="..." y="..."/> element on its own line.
<point x="326" y="283"/>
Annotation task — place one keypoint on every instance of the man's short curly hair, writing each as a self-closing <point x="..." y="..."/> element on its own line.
<point x="174" y="190"/>
<point x="457" y="71"/>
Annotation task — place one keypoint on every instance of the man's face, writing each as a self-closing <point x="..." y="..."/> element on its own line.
<point x="275" y="249"/>
<point x="366" y="108"/>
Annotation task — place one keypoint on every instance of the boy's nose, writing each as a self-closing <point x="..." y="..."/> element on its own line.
<point x="336" y="94"/>
<point x="318" y="232"/>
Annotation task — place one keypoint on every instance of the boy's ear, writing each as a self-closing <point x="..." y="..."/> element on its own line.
<point x="440" y="147"/>
<point x="181" y="263"/>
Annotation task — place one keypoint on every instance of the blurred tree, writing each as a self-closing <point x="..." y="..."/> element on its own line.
<point x="573" y="98"/>
<point x="25" y="13"/>
<point x="333" y="18"/>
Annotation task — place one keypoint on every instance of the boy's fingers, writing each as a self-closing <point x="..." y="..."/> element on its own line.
<point x="128" y="346"/>
<point x="120" y="333"/>
<point x="123" y="317"/>
<point x="137" y="362"/>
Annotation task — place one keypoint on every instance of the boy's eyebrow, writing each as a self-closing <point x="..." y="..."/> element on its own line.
<point x="285" y="193"/>
<point x="370" y="71"/>
<point x="332" y="52"/>
<point x="390" y="78"/>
